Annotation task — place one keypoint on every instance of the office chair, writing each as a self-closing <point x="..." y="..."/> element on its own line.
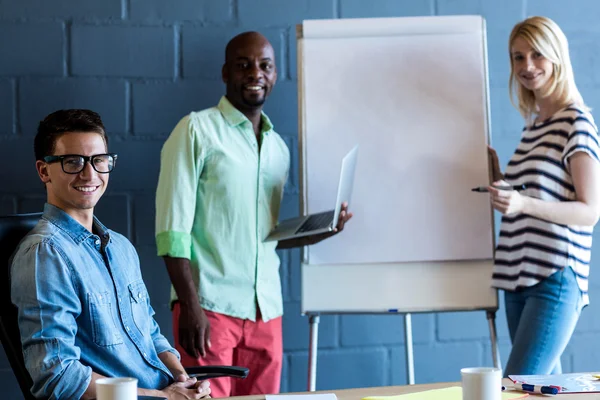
<point x="12" y="229"/>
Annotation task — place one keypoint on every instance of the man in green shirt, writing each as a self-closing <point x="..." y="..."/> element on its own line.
<point x="221" y="183"/>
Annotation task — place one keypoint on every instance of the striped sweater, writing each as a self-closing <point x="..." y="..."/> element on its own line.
<point x="530" y="249"/>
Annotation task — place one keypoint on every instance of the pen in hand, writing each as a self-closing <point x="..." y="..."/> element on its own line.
<point x="484" y="189"/>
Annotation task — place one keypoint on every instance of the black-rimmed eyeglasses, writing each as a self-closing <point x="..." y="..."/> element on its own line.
<point x="75" y="163"/>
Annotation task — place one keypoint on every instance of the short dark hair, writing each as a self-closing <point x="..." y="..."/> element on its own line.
<point x="65" y="121"/>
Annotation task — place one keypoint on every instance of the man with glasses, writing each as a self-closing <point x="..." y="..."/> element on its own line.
<point x="83" y="309"/>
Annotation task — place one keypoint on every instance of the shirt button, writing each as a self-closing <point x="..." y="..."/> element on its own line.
<point x="97" y="241"/>
<point x="126" y="328"/>
<point x="139" y="295"/>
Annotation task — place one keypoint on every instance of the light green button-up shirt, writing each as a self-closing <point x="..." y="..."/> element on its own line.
<point x="218" y="198"/>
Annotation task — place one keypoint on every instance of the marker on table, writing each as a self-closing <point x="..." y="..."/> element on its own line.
<point x="525" y="387"/>
<point x="484" y="189"/>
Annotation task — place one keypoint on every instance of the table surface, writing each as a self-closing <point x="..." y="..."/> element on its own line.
<point x="358" y="394"/>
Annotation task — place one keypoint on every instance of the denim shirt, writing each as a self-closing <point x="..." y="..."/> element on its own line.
<point x="83" y="307"/>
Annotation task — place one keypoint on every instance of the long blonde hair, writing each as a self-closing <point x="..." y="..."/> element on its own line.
<point x="545" y="37"/>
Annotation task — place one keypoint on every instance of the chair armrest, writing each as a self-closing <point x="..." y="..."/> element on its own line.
<point x="217" y="371"/>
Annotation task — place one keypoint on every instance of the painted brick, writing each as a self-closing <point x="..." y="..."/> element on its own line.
<point x="292" y="43"/>
<point x="591" y="96"/>
<point x="61" y="9"/>
<point x="204" y="49"/>
<point x="21" y="178"/>
<point x="144" y="212"/>
<point x="588" y="321"/>
<point x="284" y="273"/>
<point x="158" y="285"/>
<point x="370" y="330"/>
<point x="292" y="185"/>
<point x="282" y="108"/>
<point x="506" y="119"/>
<point x="385" y="8"/>
<point x="6" y="107"/>
<point x="442" y="362"/>
<point x="503" y="345"/>
<point x="582" y="353"/>
<point x="155" y="275"/>
<point x="584" y="48"/>
<point x="453" y="326"/>
<point x="152" y="115"/>
<point x="181" y="10"/>
<point x="584" y="16"/>
<point x="497" y="14"/>
<point x="8" y="205"/>
<point x="498" y="58"/>
<point x="132" y="172"/>
<point x="32" y="204"/>
<point x="40" y="97"/>
<point x="116" y="50"/>
<point x="10" y="386"/>
<point x="296" y="330"/>
<point x="284" y="388"/>
<point x="290" y="206"/>
<point x="273" y="14"/>
<point x="114" y="211"/>
<point x="295" y="288"/>
<point x="397" y="372"/>
<point x="31" y="48"/>
<point x="341" y="369"/>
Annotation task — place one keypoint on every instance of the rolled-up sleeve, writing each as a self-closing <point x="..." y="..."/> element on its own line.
<point x="583" y="137"/>
<point x="48" y="305"/>
<point x="180" y="168"/>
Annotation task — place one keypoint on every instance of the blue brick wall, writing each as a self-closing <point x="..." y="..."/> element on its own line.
<point x="143" y="64"/>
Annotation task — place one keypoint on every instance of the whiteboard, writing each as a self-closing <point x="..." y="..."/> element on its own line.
<point x="413" y="94"/>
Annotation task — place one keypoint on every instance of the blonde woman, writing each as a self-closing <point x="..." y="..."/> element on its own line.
<point x="543" y="253"/>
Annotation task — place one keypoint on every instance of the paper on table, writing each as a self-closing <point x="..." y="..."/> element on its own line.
<point x="320" y="396"/>
<point x="580" y="382"/>
<point x="451" y="393"/>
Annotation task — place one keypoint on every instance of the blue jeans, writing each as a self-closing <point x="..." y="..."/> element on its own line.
<point x="541" y="320"/>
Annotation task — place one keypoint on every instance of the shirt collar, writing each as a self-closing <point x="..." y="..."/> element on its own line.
<point x="71" y="227"/>
<point x="235" y="116"/>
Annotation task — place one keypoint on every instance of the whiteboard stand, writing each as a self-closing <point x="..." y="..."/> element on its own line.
<point x="314" y="318"/>
<point x="312" y="351"/>
<point x="491" y="317"/>
<point x="408" y="343"/>
<point x="446" y="237"/>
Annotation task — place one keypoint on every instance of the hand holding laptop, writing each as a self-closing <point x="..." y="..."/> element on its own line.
<point x="344" y="217"/>
<point x="315" y="227"/>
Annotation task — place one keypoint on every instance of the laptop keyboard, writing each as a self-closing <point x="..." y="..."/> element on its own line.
<point x="317" y="221"/>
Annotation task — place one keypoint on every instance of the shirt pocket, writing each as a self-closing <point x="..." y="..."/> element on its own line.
<point x="105" y="330"/>
<point x="139" y="306"/>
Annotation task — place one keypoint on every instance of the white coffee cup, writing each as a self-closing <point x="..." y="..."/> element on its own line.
<point x="116" y="389"/>
<point x="481" y="383"/>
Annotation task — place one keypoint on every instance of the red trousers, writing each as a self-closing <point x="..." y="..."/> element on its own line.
<point x="234" y="341"/>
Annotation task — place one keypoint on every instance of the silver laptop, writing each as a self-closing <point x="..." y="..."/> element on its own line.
<point x="324" y="221"/>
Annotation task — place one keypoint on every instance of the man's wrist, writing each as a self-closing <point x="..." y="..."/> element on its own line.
<point x="189" y="301"/>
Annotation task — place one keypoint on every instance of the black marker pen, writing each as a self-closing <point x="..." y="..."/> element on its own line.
<point x="484" y="189"/>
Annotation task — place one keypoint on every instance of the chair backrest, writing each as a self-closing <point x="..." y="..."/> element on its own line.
<point x="12" y="229"/>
